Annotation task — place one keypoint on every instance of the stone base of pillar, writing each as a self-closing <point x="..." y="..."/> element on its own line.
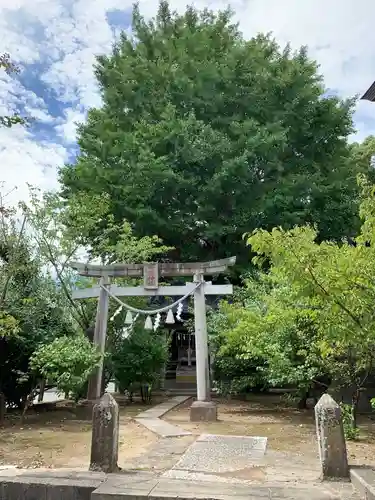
<point x="203" y="411"/>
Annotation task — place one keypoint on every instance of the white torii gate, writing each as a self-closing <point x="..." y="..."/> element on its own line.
<point x="203" y="408"/>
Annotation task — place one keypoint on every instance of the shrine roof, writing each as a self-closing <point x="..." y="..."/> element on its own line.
<point x="369" y="95"/>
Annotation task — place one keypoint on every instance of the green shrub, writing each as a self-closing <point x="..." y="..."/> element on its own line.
<point x="350" y="431"/>
<point x="138" y="361"/>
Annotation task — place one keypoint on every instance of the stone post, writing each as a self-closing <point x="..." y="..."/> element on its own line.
<point x="94" y="390"/>
<point x="105" y="431"/>
<point x="331" y="439"/>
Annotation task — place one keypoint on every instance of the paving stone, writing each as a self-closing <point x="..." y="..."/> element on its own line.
<point x="300" y="493"/>
<point x="289" y="473"/>
<point x="256" y="441"/>
<point x="221" y="454"/>
<point x="363" y="478"/>
<point x="6" y="467"/>
<point x="8" y="472"/>
<point x="187" y="475"/>
<point x="162" y="456"/>
<point x="206" y="490"/>
<point x="162" y="428"/>
<point x="161" y="409"/>
<point x="65" y="473"/>
<point x="121" y="486"/>
<point x="345" y="490"/>
<point x="212" y="490"/>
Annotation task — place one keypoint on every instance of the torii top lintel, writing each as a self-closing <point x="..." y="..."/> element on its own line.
<point x="165" y="268"/>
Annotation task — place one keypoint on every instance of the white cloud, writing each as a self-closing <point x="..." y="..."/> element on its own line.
<point x="65" y="36"/>
<point x="67" y="130"/>
<point x="24" y="161"/>
<point x="16" y="96"/>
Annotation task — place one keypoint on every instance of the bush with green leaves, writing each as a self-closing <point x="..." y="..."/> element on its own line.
<point x="351" y="431"/>
<point x="233" y="373"/>
<point x="66" y="362"/>
<point x="138" y="359"/>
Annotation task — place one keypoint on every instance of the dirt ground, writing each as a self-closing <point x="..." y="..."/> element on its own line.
<point x="287" y="429"/>
<point x="61" y="437"/>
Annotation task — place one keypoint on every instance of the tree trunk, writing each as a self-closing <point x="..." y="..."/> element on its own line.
<point x="29" y="400"/>
<point x="42" y="387"/>
<point x="2" y="408"/>
<point x="302" y="403"/>
<point x="355" y="401"/>
<point x="90" y="333"/>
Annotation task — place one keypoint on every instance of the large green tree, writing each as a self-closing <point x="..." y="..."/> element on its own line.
<point x="203" y="135"/>
<point x="363" y="155"/>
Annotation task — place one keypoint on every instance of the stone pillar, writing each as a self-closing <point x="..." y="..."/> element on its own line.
<point x="94" y="390"/>
<point x="203" y="409"/>
<point x="331" y="439"/>
<point x="105" y="431"/>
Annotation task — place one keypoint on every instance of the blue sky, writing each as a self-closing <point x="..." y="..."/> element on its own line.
<point x="54" y="43"/>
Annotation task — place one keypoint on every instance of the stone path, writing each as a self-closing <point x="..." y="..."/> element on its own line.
<point x="223" y="459"/>
<point x="151" y="419"/>
<point x="161" y="457"/>
<point x="161" y="409"/>
<point x="219" y="458"/>
<point x="162" y="428"/>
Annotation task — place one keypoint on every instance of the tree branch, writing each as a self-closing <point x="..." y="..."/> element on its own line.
<point x="7" y="281"/>
<point x="326" y="293"/>
<point x="338" y="302"/>
<point x="79" y="317"/>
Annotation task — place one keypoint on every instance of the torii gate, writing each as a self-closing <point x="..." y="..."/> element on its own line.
<point x="203" y="408"/>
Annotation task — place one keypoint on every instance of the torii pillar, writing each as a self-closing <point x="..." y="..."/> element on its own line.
<point x="203" y="408"/>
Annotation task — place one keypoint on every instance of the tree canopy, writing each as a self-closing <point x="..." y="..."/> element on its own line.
<point x="204" y="135"/>
<point x="362" y="155"/>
